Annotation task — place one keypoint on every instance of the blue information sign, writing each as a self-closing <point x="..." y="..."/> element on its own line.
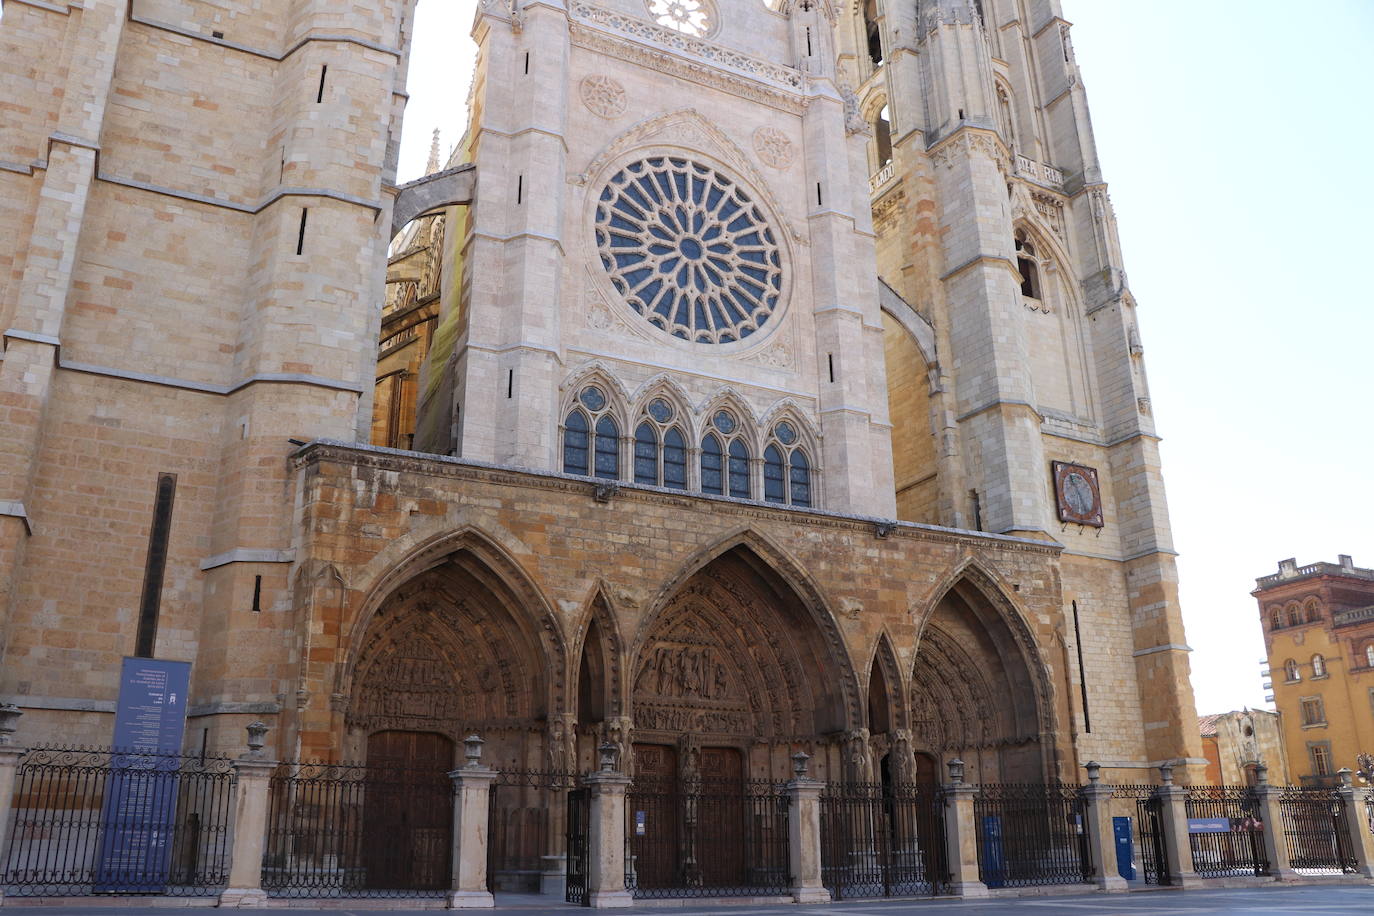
<point x="1209" y="825"/>
<point x="139" y="811"/>
<point x="1125" y="850"/>
<point x="992" y="851"/>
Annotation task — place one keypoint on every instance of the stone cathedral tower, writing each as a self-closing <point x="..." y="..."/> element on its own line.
<point x="707" y="463"/>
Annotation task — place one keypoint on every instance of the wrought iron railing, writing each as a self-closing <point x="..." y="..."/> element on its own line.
<point x="1147" y="828"/>
<point x="579" y="845"/>
<point x="525" y="825"/>
<point x="1225" y="831"/>
<point x="707" y="839"/>
<point x="93" y="820"/>
<point x="345" y="830"/>
<point x="882" y="841"/>
<point x="1317" y="831"/>
<point x="1031" y="834"/>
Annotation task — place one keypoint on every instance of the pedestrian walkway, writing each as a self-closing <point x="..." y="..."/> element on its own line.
<point x="1270" y="901"/>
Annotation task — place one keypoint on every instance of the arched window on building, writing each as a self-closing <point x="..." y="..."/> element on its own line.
<point x="591" y="437"/>
<point x="1311" y="610"/>
<point x="725" y="458"/>
<point x="1295" y="615"/>
<point x="660" y="448"/>
<point x="1275" y="619"/>
<point x="786" y="470"/>
<point x="1027" y="264"/>
<point x="1318" y="665"/>
<point x="882" y="136"/>
<point x="873" y="32"/>
<point x="1290" y="671"/>
<point x="1369" y="655"/>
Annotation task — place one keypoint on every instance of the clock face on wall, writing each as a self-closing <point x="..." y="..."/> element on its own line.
<point x="1077" y="494"/>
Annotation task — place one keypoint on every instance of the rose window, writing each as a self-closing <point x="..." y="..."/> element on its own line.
<point x="688" y="250"/>
<point x="691" y="17"/>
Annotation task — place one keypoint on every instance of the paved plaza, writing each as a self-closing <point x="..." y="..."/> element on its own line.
<point x="1275" y="901"/>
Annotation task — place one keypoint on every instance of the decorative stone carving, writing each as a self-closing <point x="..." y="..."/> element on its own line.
<point x="851" y="608"/>
<point x="604" y="96"/>
<point x="854" y="122"/>
<point x="773" y="147"/>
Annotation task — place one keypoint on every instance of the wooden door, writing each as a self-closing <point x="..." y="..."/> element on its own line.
<point x="654" y="818"/>
<point x="724" y="823"/>
<point x="407" y="827"/>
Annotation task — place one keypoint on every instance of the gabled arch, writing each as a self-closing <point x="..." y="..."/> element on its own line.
<point x="728" y="397"/>
<point x="665" y="386"/>
<point x="787" y="577"/>
<point x="477" y="554"/>
<point x="598" y="617"/>
<point x="883" y="659"/>
<point x="595" y="373"/>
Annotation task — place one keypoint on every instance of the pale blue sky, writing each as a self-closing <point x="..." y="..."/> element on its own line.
<point x="1234" y="136"/>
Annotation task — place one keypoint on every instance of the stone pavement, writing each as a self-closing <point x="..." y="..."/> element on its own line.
<point x="1272" y="901"/>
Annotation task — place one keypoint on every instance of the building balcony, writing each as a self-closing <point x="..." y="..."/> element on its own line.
<point x="1352" y="617"/>
<point x="1039" y="172"/>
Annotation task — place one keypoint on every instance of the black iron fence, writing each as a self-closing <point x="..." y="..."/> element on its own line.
<point x="883" y="841"/>
<point x="704" y="839"/>
<point x="1144" y="809"/>
<point x="1226" y="831"/>
<point x="525" y="826"/>
<point x="579" y="845"/>
<point x="344" y="830"/>
<point x="1031" y="835"/>
<point x="1317" y="831"/>
<point x="93" y="821"/>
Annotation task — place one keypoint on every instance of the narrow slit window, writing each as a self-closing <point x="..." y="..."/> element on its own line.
<point x="257" y="594"/>
<point x="324" y="71"/>
<point x="300" y="238"/>
<point x="155" y="566"/>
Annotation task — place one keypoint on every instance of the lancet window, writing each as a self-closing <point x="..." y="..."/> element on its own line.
<point x="591" y="437"/>
<point x="1027" y="264"/>
<point x="725" y="458"/>
<point x="786" y="469"/>
<point x="660" y="447"/>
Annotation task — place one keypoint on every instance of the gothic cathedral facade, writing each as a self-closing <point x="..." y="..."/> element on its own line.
<point x="781" y="390"/>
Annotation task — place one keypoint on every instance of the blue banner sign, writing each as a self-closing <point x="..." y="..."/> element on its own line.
<point x="1125" y="849"/>
<point x="993" y="864"/>
<point x="138" y="816"/>
<point x="1209" y="825"/>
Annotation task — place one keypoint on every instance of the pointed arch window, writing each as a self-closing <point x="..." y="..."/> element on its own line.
<point x="660" y="448"/>
<point x="786" y="470"/>
<point x="1027" y="264"/>
<point x="591" y="437"/>
<point x="739" y="469"/>
<point x="725" y="458"/>
<point x="873" y="32"/>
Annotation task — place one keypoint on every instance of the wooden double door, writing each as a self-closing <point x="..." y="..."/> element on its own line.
<point x="689" y="832"/>
<point x="407" y="823"/>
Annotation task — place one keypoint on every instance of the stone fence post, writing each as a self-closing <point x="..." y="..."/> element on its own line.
<point x="1178" y="849"/>
<point x="253" y="774"/>
<point x="1271" y="817"/>
<point x="9" y="767"/>
<point x="1359" y="820"/>
<point x="804" y="833"/>
<point x="606" y="833"/>
<point x="472" y="785"/>
<point x="1097" y="800"/>
<point x="961" y="835"/>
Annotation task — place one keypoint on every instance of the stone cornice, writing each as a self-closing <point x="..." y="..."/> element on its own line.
<point x="321" y="451"/>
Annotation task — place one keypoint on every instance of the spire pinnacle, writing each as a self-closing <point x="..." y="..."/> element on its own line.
<point x="434" y="161"/>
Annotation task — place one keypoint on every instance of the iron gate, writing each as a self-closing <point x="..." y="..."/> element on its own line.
<point x="1317" y="830"/>
<point x="707" y="839"/>
<point x="1031" y="834"/>
<point x="1150" y="826"/>
<point x="525" y="825"/>
<point x="1225" y="831"/>
<point x="579" y="845"/>
<point x="111" y="822"/>
<point x="882" y="841"/>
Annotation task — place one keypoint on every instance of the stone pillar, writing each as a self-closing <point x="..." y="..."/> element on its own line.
<point x="804" y="833"/>
<point x="606" y="833"/>
<point x="1101" y="836"/>
<point x="472" y="784"/>
<point x="961" y="835"/>
<point x="9" y="767"/>
<point x="1271" y="817"/>
<point x="1358" y="817"/>
<point x="254" y="775"/>
<point x="1174" y="822"/>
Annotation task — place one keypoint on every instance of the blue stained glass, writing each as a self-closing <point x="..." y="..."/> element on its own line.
<point x="801" y="479"/>
<point x="660" y="410"/>
<point x="575" y="444"/>
<point x="607" y="449"/>
<point x="674" y="459"/>
<point x="688" y="249"/>
<point x="646" y="455"/>
<point x="712" y="467"/>
<point x="739" y="470"/>
<point x="774" y="482"/>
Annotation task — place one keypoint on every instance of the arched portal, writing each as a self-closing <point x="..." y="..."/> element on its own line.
<point x="977" y="692"/>
<point x="732" y="675"/>
<point x="451" y="652"/>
